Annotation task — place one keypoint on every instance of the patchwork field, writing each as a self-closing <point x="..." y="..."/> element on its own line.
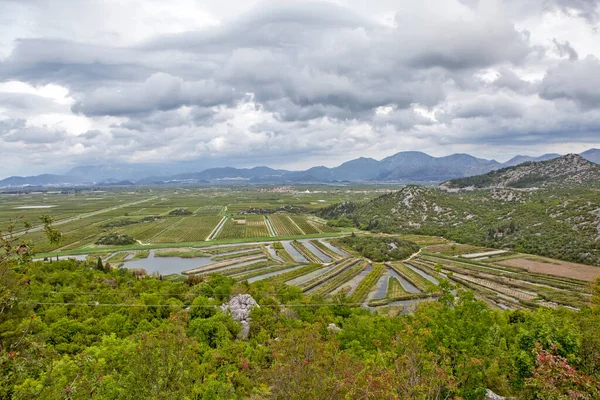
<point x="295" y="246"/>
<point x="554" y="267"/>
<point x="156" y="217"/>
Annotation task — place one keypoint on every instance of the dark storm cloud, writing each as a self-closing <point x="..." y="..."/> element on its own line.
<point x="507" y="79"/>
<point x="77" y="65"/>
<point x="574" y="80"/>
<point x="488" y="106"/>
<point x="588" y="9"/>
<point x="160" y="91"/>
<point x="565" y="50"/>
<point x="27" y="101"/>
<point x="33" y="135"/>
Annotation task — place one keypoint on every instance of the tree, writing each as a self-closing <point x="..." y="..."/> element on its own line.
<point x="14" y="251"/>
<point x="554" y="379"/>
<point x="99" y="265"/>
<point x="54" y="236"/>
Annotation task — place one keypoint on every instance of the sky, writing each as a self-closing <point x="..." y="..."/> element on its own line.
<point x="293" y="84"/>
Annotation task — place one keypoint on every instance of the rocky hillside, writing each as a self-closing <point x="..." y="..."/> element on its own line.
<point x="559" y="222"/>
<point x="413" y="207"/>
<point x="567" y="170"/>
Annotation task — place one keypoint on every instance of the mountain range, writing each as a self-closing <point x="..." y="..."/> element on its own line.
<point x="406" y="167"/>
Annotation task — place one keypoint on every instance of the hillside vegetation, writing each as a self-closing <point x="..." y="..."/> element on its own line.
<point x="571" y="169"/>
<point x="560" y="223"/>
<point x="379" y="249"/>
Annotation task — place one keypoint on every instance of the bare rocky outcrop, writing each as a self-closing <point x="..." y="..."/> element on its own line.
<point x="240" y="307"/>
<point x="489" y="395"/>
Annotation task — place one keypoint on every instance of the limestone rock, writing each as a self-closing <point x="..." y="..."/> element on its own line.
<point x="489" y="395"/>
<point x="240" y="307"/>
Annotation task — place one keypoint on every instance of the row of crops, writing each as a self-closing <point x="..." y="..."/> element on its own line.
<point x="284" y="226"/>
<point x="251" y="226"/>
<point x="505" y="287"/>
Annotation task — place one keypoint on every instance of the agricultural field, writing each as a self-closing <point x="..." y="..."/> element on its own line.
<point x="306" y="227"/>
<point x="240" y="227"/>
<point x="189" y="229"/>
<point x="395" y="288"/>
<point x="502" y="279"/>
<point x="553" y="267"/>
<point x="150" y="215"/>
<point x="510" y="281"/>
<point x="284" y="225"/>
<point x="305" y="252"/>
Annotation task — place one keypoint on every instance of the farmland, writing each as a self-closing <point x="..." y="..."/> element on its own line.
<point x="150" y="216"/>
<point x="242" y="232"/>
<point x="251" y="226"/>
<point x="284" y="226"/>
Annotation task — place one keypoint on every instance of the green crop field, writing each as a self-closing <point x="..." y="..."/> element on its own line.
<point x="239" y="227"/>
<point x="284" y="226"/>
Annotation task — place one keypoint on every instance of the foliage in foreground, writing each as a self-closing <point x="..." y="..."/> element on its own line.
<point x="80" y="332"/>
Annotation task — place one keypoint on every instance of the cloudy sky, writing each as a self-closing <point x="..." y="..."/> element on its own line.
<point x="293" y="84"/>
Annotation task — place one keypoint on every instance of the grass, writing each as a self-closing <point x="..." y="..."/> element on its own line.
<point x="407" y="296"/>
<point x="193" y="253"/>
<point x="262" y="271"/>
<point x="339" y="280"/>
<point x="231" y="249"/>
<point x="338" y="269"/>
<point x="283" y="253"/>
<point x="140" y="255"/>
<point x="245" y="268"/>
<point x="364" y="287"/>
<point x="332" y="254"/>
<point x="288" y="276"/>
<point x="118" y="259"/>
<point x="395" y="288"/>
<point x="222" y="264"/>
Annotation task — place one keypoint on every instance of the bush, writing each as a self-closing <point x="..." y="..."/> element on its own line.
<point x="380" y="249"/>
<point x="115" y="239"/>
<point x="181" y="211"/>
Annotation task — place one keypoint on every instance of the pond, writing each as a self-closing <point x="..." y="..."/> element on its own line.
<point x="313" y="249"/>
<point x="167" y="265"/>
<point x="294" y="253"/>
<point x="423" y="274"/>
<point x="334" y="249"/>
<point x="409" y="287"/>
